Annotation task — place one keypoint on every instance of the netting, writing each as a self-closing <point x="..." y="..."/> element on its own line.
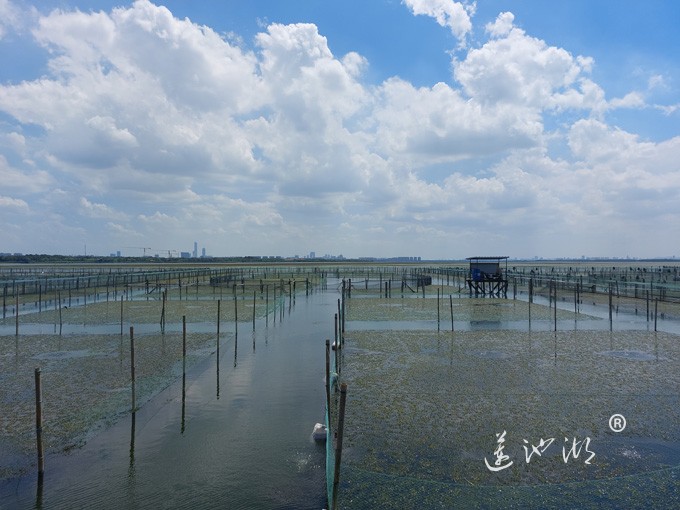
<point x="331" y="382"/>
<point x="427" y="407"/>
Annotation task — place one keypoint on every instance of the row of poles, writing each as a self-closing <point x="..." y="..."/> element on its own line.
<point x="334" y="435"/>
<point x="133" y="394"/>
<point x="164" y="298"/>
<point x="553" y="285"/>
<point x="338" y="345"/>
<point x="128" y="290"/>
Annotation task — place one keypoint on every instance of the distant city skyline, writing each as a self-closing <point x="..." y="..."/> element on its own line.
<point x="367" y="129"/>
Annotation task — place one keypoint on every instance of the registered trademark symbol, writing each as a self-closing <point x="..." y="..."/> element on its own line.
<point x="617" y="423"/>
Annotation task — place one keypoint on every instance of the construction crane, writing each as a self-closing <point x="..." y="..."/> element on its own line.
<point x="143" y="248"/>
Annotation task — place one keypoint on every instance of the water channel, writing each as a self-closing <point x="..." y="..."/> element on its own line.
<point x="236" y="433"/>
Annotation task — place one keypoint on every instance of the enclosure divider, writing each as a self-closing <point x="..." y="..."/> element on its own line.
<point x="338" y="445"/>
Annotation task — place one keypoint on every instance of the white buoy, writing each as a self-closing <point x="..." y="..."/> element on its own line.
<point x="319" y="433"/>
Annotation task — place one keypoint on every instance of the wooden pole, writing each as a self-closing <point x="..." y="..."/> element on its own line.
<point x="132" y="367"/>
<point x="342" y="319"/>
<point x="647" y="292"/>
<point x="235" y="315"/>
<point x="254" y="294"/>
<point x="336" y="333"/>
<point x="184" y="337"/>
<point x="60" y="322"/>
<point x="121" y="316"/>
<point x="328" y="377"/>
<point x="16" y="315"/>
<point x="656" y="307"/>
<point x="451" y="307"/>
<point x="38" y="423"/>
<point x="338" y="444"/>
<point x="219" y="301"/>
<point x="339" y="317"/>
<point x="437" y="309"/>
<point x="555" y="303"/>
<point x="610" y="307"/>
<point x="163" y="297"/>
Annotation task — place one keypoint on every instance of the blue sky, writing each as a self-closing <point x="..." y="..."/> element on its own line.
<point x="428" y="128"/>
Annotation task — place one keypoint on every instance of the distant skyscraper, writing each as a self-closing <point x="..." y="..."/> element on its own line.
<point x="195" y="249"/>
<point x="203" y="252"/>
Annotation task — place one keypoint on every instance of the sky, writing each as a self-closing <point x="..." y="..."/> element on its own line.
<point x="438" y="129"/>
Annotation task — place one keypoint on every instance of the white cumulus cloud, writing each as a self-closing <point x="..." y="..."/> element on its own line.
<point x="448" y="13"/>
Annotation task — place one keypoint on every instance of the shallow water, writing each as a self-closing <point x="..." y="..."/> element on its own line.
<point x="236" y="434"/>
<point x="428" y="404"/>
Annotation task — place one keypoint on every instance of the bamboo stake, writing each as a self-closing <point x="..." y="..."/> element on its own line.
<point x="132" y="367"/>
<point x="610" y="308"/>
<point x="555" y="303"/>
<point x="38" y="422"/>
<point x="184" y="337"/>
<point x="437" y="309"/>
<point x="656" y="307"/>
<point x="451" y="306"/>
<point x="219" y="301"/>
<point x="60" y="322"/>
<point x="235" y="314"/>
<point x="328" y="376"/>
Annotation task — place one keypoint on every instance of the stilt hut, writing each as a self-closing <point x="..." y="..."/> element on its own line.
<point x="486" y="276"/>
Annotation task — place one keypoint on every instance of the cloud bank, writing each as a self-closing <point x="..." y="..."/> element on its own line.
<point x="155" y="131"/>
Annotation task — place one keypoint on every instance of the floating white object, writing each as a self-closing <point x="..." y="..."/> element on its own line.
<point x="319" y="433"/>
